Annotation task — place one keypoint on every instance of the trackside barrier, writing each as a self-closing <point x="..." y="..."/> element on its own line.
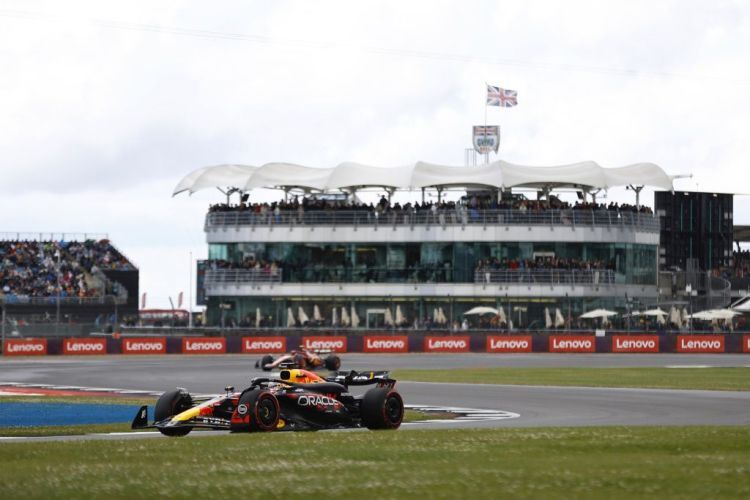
<point x="500" y="343"/>
<point x="25" y="347"/>
<point x="635" y="343"/>
<point x="263" y="345"/>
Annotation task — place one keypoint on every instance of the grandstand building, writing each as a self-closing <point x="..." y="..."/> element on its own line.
<point x="320" y="256"/>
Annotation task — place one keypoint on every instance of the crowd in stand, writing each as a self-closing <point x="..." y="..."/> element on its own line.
<point x="495" y="264"/>
<point x="742" y="263"/>
<point x="384" y="206"/>
<point x="31" y="268"/>
<point x="249" y="262"/>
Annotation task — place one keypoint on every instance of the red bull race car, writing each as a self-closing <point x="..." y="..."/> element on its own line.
<point x="296" y="400"/>
<point x="301" y="358"/>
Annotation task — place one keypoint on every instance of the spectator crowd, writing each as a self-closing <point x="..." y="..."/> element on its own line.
<point x="31" y="268"/>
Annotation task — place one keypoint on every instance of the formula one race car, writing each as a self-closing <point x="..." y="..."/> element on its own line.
<point x="301" y="358"/>
<point x="297" y="400"/>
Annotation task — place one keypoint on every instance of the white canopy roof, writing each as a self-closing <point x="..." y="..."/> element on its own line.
<point x="499" y="174"/>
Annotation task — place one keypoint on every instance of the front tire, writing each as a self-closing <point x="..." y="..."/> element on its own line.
<point x="266" y="360"/>
<point x="170" y="404"/>
<point x="382" y="408"/>
<point x="333" y="363"/>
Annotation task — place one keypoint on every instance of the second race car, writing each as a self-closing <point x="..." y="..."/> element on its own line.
<point x="301" y="358"/>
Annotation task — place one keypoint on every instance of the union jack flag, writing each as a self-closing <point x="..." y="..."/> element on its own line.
<point x="501" y="97"/>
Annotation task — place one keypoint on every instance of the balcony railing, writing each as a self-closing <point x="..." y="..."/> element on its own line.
<point x="423" y="274"/>
<point x="463" y="217"/>
<point x="26" y="300"/>
<point x="547" y="276"/>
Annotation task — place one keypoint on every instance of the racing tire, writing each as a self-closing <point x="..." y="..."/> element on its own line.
<point x="263" y="409"/>
<point x="382" y="408"/>
<point x="169" y="404"/>
<point x="266" y="360"/>
<point x="333" y="363"/>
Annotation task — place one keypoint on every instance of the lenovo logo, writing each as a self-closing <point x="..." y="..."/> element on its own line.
<point x="144" y="346"/>
<point x="85" y="346"/>
<point x="509" y="344"/>
<point x="337" y="344"/>
<point x="746" y="343"/>
<point x="386" y="344"/>
<point x="256" y="345"/>
<point x="635" y="343"/>
<point x="28" y="347"/>
<point x="446" y="344"/>
<point x="571" y="344"/>
<point x="204" y="346"/>
<point x="700" y="343"/>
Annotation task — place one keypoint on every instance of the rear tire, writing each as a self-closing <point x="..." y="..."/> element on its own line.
<point x="266" y="360"/>
<point x="382" y="408"/>
<point x="333" y="363"/>
<point x="262" y="408"/>
<point x="170" y="404"/>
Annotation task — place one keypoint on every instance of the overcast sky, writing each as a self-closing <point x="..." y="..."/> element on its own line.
<point x="105" y="106"/>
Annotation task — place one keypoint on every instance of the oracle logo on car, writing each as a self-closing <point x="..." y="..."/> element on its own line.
<point x="336" y="344"/>
<point x="572" y="343"/>
<point x="509" y="343"/>
<point x="396" y="343"/>
<point x="635" y="343"/>
<point x="746" y="343"/>
<point x="206" y="345"/>
<point x="700" y="343"/>
<point x="84" y="346"/>
<point x="257" y="345"/>
<point x="156" y="345"/>
<point x="25" y="347"/>
<point x="447" y="344"/>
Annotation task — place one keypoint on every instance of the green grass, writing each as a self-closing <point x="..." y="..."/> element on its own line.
<point x="611" y="462"/>
<point x="721" y="379"/>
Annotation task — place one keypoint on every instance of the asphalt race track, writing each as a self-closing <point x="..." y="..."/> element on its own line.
<point x="536" y="405"/>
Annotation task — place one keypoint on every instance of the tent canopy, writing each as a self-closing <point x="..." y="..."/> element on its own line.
<point x="598" y="313"/>
<point x="350" y="175"/>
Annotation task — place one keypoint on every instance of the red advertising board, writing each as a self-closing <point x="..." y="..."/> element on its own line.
<point x="262" y="345"/>
<point x="25" y="347"/>
<point x="336" y="344"/>
<point x="204" y="345"/>
<point x="572" y="343"/>
<point x="458" y="343"/>
<point x="505" y="343"/>
<point x="84" y="346"/>
<point x="746" y="343"/>
<point x="385" y="343"/>
<point x="700" y="343"/>
<point x="146" y="345"/>
<point x="635" y="343"/>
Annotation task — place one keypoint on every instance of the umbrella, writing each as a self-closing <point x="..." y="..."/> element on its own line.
<point x="290" y="318"/>
<point x="597" y="313"/>
<point x="388" y="320"/>
<point x="559" y="319"/>
<point x="547" y="318"/>
<point x="502" y="319"/>
<point x="334" y="317"/>
<point x="483" y="310"/>
<point x="659" y="313"/>
<point x="257" y="317"/>
<point x="434" y="315"/>
<point x="441" y="316"/>
<point x="303" y="317"/>
<point x="400" y="320"/>
<point x="674" y="317"/>
<point x="355" y="318"/>
<point x="714" y="314"/>
<point x="345" y="321"/>
<point x="316" y="313"/>
<point x="685" y="316"/>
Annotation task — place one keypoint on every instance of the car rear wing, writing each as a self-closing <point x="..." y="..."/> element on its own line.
<point x="352" y="377"/>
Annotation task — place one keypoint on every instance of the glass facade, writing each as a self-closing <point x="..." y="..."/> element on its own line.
<point x="434" y="262"/>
